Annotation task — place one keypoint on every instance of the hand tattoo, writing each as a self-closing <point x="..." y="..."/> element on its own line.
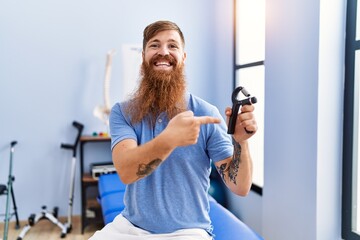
<point x="233" y="168"/>
<point x="147" y="169"/>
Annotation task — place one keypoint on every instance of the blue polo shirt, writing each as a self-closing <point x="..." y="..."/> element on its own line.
<point x="175" y="195"/>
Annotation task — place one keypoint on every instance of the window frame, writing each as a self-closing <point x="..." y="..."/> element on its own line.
<point x="352" y="45"/>
<point x="254" y="187"/>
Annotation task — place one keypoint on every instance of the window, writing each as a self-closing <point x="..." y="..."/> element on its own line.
<point x="249" y="71"/>
<point x="351" y="129"/>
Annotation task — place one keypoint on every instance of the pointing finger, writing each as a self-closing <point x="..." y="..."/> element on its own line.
<point x="207" y="119"/>
<point x="187" y="114"/>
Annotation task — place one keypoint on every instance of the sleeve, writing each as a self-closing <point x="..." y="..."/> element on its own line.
<point x="219" y="144"/>
<point x="120" y="126"/>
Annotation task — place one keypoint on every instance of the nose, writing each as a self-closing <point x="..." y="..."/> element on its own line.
<point x="163" y="51"/>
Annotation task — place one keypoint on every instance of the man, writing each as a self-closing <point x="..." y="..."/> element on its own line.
<point x="163" y="141"/>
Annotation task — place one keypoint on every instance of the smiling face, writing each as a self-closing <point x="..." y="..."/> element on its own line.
<point x="162" y="85"/>
<point x="164" y="51"/>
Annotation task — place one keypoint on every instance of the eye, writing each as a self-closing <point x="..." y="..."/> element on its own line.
<point x="173" y="46"/>
<point x="153" y="45"/>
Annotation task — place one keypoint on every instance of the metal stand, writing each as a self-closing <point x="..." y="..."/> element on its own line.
<point x="52" y="216"/>
<point x="9" y="190"/>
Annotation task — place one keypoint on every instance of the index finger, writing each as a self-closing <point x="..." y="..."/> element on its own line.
<point x="207" y="119"/>
<point x="247" y="108"/>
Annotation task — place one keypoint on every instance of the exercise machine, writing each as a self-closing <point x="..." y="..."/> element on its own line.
<point x="8" y="190"/>
<point x="52" y="216"/>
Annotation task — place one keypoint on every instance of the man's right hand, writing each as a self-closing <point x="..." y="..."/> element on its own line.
<point x="184" y="128"/>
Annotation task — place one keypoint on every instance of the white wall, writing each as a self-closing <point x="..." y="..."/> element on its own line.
<point x="330" y="118"/>
<point x="223" y="51"/>
<point x="289" y="200"/>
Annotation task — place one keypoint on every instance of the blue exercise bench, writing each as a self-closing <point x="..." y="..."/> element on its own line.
<point x="226" y="225"/>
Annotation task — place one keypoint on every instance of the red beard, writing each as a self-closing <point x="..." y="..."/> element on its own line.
<point x="159" y="91"/>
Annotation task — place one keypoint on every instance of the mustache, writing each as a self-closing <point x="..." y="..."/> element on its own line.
<point x="160" y="57"/>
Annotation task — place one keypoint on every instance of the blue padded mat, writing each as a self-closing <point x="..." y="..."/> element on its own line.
<point x="109" y="183"/>
<point x="226" y="225"/>
<point x="112" y="202"/>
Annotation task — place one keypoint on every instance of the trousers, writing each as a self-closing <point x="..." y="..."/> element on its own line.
<point x="122" y="229"/>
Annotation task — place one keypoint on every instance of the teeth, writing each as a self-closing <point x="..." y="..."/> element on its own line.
<point x="162" y="63"/>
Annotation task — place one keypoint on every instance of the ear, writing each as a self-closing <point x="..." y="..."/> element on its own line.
<point x="143" y="55"/>
<point x="184" y="57"/>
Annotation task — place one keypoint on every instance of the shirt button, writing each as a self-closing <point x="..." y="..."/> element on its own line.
<point x="160" y="120"/>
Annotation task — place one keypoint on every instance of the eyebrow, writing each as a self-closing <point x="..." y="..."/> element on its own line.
<point x="158" y="41"/>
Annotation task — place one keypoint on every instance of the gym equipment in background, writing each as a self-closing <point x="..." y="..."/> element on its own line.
<point x="8" y="190"/>
<point x="72" y="147"/>
<point x="52" y="216"/>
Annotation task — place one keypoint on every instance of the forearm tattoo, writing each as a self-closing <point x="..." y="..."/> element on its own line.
<point x="232" y="169"/>
<point x="146" y="169"/>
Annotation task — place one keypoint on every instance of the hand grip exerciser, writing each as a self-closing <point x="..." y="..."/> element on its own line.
<point x="236" y="105"/>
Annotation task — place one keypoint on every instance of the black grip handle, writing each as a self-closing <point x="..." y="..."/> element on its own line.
<point x="233" y="117"/>
<point x="235" y="110"/>
<point x="248" y="101"/>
